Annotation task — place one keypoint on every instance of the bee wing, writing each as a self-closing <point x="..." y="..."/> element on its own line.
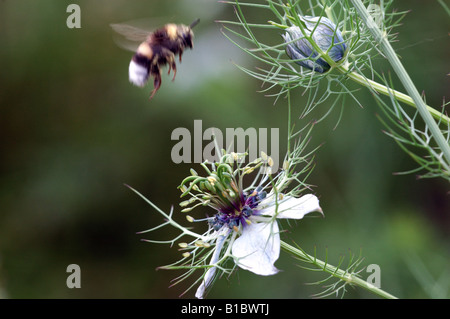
<point x="129" y="37"/>
<point x="130" y="32"/>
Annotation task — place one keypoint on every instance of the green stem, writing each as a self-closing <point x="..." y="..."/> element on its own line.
<point x="399" y="96"/>
<point x="350" y="278"/>
<point x="391" y="56"/>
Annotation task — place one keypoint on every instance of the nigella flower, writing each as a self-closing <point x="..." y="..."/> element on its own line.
<point x="245" y="218"/>
<point x="243" y="225"/>
<point x="324" y="34"/>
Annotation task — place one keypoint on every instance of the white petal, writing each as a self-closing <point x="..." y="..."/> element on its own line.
<point x="258" y="248"/>
<point x="211" y="271"/>
<point x="205" y="283"/>
<point x="292" y="207"/>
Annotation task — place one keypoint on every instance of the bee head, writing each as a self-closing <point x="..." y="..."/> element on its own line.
<point x="188" y="35"/>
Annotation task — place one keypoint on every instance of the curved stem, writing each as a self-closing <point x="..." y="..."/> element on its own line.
<point x="350" y="278"/>
<point x="382" y="89"/>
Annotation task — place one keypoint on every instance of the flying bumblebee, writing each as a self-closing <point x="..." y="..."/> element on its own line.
<point x="158" y="49"/>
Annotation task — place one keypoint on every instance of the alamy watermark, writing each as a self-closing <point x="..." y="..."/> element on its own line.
<point x="74" y="279"/>
<point x="74" y="19"/>
<point x="190" y="148"/>
<point x="374" y="279"/>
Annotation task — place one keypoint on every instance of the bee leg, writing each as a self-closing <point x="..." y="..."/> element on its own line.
<point x="156" y="84"/>
<point x="173" y="66"/>
<point x="170" y="58"/>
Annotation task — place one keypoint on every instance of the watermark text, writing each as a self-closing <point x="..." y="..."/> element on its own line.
<point x="190" y="148"/>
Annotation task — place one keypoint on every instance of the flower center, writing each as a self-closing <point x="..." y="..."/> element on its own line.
<point x="239" y="214"/>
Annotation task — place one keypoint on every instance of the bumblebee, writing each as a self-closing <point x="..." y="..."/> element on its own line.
<point x="157" y="50"/>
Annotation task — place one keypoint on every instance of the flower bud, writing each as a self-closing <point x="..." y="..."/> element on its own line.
<point x="324" y="33"/>
<point x="199" y="243"/>
<point x="185" y="203"/>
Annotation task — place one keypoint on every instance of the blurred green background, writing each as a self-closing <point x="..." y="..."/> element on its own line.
<point x="73" y="130"/>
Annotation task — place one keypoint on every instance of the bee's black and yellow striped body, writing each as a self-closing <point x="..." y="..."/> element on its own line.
<point x="159" y="49"/>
